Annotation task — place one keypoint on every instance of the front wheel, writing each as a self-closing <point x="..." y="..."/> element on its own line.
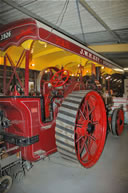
<point x="117" y="121"/>
<point x="5" y="184"/>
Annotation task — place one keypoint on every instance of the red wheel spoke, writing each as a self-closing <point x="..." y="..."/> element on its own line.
<point x="82" y="145"/>
<point x="91" y="110"/>
<point x="86" y="147"/>
<point x="79" y="139"/>
<point x="78" y="125"/>
<point x="83" y="115"/>
<point x="92" y="137"/>
<point x="87" y="111"/>
<point x="63" y="76"/>
<point x="94" y="148"/>
<point x="56" y="82"/>
<point x="86" y="153"/>
<point x="57" y="74"/>
<point x="84" y="156"/>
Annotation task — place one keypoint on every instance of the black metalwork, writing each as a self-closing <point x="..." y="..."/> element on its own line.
<point x="19" y="140"/>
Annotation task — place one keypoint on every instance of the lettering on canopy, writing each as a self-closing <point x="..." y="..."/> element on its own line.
<point x="16" y="35"/>
<point x="5" y="35"/>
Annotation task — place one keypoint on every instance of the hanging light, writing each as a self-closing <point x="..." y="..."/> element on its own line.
<point x="108" y="77"/>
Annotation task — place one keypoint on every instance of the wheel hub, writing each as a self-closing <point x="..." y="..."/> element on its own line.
<point x="87" y="128"/>
<point x="121" y="122"/>
<point x="91" y="128"/>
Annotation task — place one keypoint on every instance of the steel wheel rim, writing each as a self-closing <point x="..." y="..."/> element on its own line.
<point x="120" y="122"/>
<point x="90" y="129"/>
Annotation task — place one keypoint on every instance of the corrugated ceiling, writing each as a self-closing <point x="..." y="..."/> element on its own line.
<point x="72" y="17"/>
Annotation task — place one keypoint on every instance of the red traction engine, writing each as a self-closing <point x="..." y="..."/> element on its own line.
<point x="62" y="116"/>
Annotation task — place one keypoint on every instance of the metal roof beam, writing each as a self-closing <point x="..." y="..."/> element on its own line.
<point x="23" y="10"/>
<point x="40" y="19"/>
<point x="22" y="4"/>
<point x="80" y="20"/>
<point x="93" y="13"/>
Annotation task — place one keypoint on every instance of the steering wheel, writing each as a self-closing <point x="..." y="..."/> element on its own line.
<point x="59" y="78"/>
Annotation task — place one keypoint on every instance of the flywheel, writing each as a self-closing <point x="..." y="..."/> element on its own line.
<point x="81" y="127"/>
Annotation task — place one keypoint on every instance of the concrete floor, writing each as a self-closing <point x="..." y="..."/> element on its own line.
<point x="55" y="175"/>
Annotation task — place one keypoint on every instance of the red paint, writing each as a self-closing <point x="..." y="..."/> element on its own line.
<point x="26" y="121"/>
<point x="17" y="23"/>
<point x="25" y="112"/>
<point x="20" y="31"/>
<point x="27" y="72"/>
<point x="63" y="43"/>
<point x="4" y="78"/>
<point x="57" y="79"/>
<point x="24" y="33"/>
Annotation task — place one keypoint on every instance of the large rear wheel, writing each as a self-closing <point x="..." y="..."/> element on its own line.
<point x="81" y="127"/>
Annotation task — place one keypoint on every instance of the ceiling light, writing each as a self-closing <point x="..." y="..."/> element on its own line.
<point x="118" y="69"/>
<point x="43" y="43"/>
<point x="33" y="64"/>
<point x="125" y="68"/>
